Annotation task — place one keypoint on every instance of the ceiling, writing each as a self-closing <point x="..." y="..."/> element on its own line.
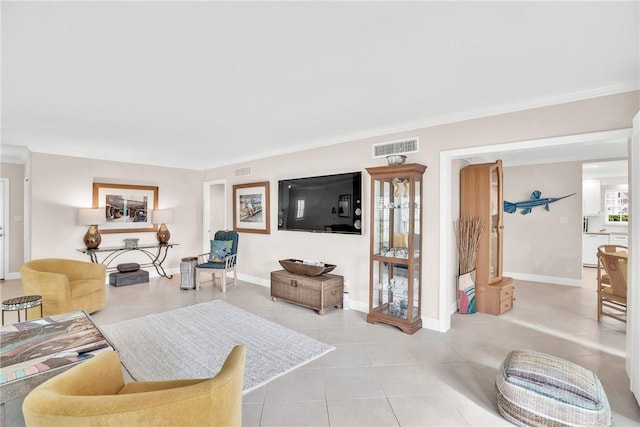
<point x="599" y="170"/>
<point x="591" y="150"/>
<point x="202" y="84"/>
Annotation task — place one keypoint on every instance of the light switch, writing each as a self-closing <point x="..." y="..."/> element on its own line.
<point x="564" y="220"/>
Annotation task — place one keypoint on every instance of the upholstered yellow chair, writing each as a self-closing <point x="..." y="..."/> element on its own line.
<point x="94" y="394"/>
<point x="65" y="285"/>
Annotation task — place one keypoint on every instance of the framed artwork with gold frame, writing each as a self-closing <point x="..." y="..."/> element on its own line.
<point x="251" y="208"/>
<point x="127" y="208"/>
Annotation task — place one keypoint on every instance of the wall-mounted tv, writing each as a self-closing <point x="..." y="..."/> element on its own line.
<point x="321" y="204"/>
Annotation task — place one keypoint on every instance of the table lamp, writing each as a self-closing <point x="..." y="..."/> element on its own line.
<point x="92" y="217"/>
<point x="162" y="217"/>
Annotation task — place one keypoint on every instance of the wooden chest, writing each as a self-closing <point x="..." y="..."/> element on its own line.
<point x="317" y="292"/>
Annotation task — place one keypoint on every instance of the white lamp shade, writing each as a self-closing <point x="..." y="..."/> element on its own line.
<point x="162" y="216"/>
<point x="91" y="216"/>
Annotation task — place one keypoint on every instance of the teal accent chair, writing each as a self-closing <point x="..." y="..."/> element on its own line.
<point x="219" y="261"/>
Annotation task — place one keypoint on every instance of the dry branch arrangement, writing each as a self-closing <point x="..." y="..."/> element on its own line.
<point x="468" y="231"/>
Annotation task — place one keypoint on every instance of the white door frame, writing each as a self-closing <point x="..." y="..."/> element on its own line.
<point x="4" y="229"/>
<point x="206" y="209"/>
<point x="633" y="302"/>
<point x="448" y="270"/>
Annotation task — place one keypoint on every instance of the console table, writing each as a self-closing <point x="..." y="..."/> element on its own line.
<point x="156" y="252"/>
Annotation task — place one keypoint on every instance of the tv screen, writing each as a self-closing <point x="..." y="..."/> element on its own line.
<point x="321" y="204"/>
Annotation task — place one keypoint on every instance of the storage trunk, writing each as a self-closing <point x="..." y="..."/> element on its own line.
<point x="317" y="292"/>
<point x="130" y="278"/>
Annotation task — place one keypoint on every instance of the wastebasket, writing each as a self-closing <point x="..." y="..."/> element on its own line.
<point x="188" y="272"/>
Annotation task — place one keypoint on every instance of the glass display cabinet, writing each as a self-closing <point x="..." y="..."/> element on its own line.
<point x="395" y="287"/>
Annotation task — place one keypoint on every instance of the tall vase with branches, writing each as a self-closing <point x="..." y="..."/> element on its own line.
<point x="468" y="232"/>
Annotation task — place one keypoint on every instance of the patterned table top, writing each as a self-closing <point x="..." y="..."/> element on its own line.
<point x="35" y="346"/>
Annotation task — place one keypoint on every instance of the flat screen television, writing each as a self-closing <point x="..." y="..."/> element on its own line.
<point x="321" y="204"/>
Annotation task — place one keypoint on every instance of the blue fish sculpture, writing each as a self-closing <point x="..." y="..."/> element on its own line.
<point x="535" y="200"/>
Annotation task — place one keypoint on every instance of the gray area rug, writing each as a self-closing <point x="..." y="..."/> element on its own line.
<point x="194" y="341"/>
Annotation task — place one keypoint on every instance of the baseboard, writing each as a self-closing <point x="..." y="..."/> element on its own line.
<point x="153" y="273"/>
<point x="453" y="307"/>
<point x="363" y="307"/>
<point x="431" y="324"/>
<point x="359" y="306"/>
<point x="255" y="280"/>
<point x="12" y="276"/>
<point x="544" y="279"/>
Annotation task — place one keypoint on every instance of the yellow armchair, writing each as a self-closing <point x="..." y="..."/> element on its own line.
<point x="94" y="394"/>
<point x="65" y="285"/>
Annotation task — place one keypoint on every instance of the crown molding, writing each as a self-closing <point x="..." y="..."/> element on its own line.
<point x="16" y="154"/>
<point x="384" y="131"/>
<point x="488" y="112"/>
<point x="19" y="154"/>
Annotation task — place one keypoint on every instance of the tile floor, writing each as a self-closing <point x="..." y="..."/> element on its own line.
<point x="378" y="376"/>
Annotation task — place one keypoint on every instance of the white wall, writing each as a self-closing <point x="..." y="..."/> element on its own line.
<point x="61" y="184"/>
<point x="217" y="205"/>
<point x="14" y="218"/>
<point x="351" y="253"/>
<point x="544" y="245"/>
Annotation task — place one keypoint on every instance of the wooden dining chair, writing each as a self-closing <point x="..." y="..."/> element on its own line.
<point x="612" y="296"/>
<point x="603" y="278"/>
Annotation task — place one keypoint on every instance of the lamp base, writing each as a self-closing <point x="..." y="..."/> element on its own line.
<point x="163" y="234"/>
<point x="92" y="238"/>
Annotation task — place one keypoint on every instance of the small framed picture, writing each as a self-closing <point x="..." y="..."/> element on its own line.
<point x="251" y="207"/>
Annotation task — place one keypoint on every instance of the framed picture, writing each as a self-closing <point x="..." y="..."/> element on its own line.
<point x="127" y="208"/>
<point x="344" y="205"/>
<point x="251" y="207"/>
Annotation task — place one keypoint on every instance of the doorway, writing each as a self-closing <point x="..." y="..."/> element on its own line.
<point x="214" y="210"/>
<point x="569" y="145"/>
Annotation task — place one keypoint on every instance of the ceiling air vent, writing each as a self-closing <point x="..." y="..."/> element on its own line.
<point x="244" y="171"/>
<point x="403" y="146"/>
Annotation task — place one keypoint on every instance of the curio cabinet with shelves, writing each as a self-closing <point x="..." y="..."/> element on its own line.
<point x="395" y="284"/>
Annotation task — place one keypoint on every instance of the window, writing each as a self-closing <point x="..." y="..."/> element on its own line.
<point x="300" y="209"/>
<point x="616" y="207"/>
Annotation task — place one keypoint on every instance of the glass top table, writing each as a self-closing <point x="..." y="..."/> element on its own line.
<point x="155" y="252"/>
<point x="31" y="352"/>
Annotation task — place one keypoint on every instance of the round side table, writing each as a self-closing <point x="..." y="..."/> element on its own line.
<point x="21" y="303"/>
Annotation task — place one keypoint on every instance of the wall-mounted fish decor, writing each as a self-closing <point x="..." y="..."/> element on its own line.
<point x="535" y="200"/>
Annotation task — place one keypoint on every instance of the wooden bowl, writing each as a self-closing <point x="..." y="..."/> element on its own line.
<point x="295" y="266"/>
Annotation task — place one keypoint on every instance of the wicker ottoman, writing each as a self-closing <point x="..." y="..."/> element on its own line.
<point x="537" y="389"/>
